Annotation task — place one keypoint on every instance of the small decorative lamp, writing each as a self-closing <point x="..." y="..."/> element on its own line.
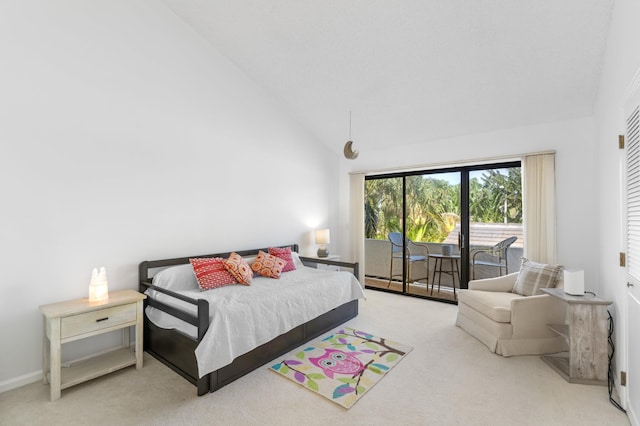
<point x="323" y="237"/>
<point x="574" y="282"/>
<point x="98" y="287"/>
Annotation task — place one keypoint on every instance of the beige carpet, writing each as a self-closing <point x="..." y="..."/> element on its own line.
<point x="448" y="379"/>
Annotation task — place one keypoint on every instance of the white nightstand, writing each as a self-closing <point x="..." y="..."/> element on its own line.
<point x="77" y="319"/>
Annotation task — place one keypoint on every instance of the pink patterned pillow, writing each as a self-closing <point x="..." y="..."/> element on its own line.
<point x="268" y="265"/>
<point x="285" y="254"/>
<point x="211" y="273"/>
<point x="239" y="268"/>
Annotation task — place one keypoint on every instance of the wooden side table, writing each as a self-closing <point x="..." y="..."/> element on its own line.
<point x="586" y="334"/>
<point x="77" y="319"/>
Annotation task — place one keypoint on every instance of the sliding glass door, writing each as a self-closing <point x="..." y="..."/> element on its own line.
<point x="428" y="232"/>
<point x="407" y="220"/>
<point x="384" y="218"/>
<point x="495" y="221"/>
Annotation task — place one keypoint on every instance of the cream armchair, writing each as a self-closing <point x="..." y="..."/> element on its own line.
<point x="508" y="323"/>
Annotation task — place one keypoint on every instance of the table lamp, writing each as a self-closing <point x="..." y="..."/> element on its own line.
<point x="98" y="287"/>
<point x="323" y="237"/>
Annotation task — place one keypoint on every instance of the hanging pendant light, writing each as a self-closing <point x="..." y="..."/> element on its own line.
<point x="349" y="153"/>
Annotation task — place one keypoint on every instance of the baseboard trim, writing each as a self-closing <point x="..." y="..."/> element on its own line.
<point x="20" y="381"/>
<point x="27" y="379"/>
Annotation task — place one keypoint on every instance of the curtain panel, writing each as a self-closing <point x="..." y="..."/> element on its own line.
<point x="356" y="221"/>
<point x="539" y="207"/>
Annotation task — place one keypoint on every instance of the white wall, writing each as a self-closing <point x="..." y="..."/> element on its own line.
<point x="576" y="164"/>
<point x="622" y="61"/>
<point x="125" y="137"/>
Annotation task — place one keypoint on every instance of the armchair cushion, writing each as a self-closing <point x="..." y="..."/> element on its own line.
<point x="493" y="304"/>
<point x="534" y="276"/>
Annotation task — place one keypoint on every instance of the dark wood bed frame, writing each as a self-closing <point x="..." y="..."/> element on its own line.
<point x="177" y="350"/>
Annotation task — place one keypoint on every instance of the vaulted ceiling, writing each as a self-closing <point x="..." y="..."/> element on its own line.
<point x="412" y="71"/>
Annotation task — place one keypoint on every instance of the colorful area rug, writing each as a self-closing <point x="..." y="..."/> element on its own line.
<point x="343" y="366"/>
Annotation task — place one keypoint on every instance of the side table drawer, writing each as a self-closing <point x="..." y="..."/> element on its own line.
<point x="97" y="320"/>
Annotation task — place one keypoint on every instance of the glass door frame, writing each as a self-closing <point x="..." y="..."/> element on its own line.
<point x="464" y="266"/>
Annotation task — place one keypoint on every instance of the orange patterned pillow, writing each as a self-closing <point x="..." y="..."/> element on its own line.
<point x="211" y="273"/>
<point x="285" y="254"/>
<point x="268" y="265"/>
<point x="239" y="268"/>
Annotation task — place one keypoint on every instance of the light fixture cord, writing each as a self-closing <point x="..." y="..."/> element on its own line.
<point x="349" y="124"/>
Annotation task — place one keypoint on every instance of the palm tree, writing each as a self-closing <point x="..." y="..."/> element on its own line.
<point x="433" y="204"/>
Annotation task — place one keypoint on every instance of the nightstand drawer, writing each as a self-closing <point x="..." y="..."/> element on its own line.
<point x="97" y="320"/>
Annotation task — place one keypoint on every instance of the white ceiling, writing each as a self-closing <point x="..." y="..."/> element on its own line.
<point x="412" y="70"/>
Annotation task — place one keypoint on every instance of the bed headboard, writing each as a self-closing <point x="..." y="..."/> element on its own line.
<point x="145" y="266"/>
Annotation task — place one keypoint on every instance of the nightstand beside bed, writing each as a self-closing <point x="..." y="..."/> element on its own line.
<point x="78" y="319"/>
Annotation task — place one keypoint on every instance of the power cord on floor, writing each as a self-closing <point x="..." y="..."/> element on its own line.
<point x="610" y="375"/>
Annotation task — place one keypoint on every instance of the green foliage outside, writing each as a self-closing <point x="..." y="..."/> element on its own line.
<point x="433" y="205"/>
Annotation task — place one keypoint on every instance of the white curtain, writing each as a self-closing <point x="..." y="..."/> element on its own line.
<point x="356" y="221"/>
<point x="539" y="207"/>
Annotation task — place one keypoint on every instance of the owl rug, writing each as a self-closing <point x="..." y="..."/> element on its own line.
<point x="343" y="366"/>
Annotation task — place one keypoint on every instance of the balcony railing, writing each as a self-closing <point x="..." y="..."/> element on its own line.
<point x="378" y="258"/>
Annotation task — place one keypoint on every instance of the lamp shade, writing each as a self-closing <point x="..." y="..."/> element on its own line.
<point x="323" y="236"/>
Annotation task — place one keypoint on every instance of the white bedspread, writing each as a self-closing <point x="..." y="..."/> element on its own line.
<point x="244" y="317"/>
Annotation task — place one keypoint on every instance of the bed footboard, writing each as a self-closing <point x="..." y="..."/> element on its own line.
<point x="171" y="347"/>
<point x="176" y="351"/>
<point x="319" y="261"/>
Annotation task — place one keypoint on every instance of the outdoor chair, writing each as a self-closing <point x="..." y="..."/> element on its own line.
<point x="495" y="256"/>
<point x="410" y="253"/>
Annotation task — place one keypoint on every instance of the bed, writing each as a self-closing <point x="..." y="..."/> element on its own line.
<point x="192" y="332"/>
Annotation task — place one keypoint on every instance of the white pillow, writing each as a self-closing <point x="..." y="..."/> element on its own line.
<point x="296" y="260"/>
<point x="250" y="259"/>
<point x="177" y="278"/>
